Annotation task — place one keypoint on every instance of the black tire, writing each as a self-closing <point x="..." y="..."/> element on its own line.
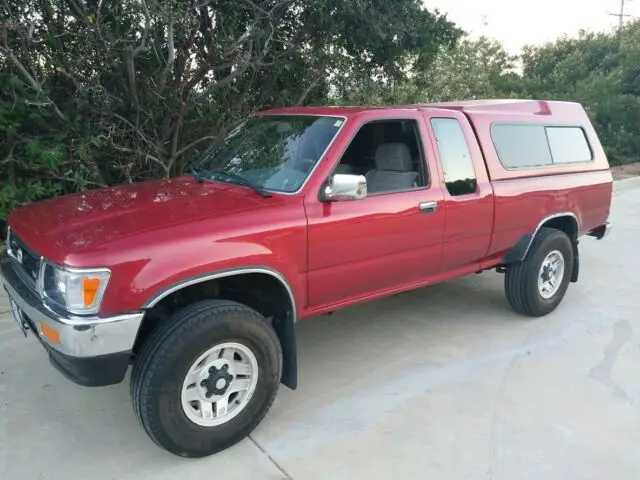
<point x="165" y="358"/>
<point x="521" y="279"/>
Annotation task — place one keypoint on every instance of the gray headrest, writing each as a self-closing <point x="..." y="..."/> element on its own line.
<point x="395" y="157"/>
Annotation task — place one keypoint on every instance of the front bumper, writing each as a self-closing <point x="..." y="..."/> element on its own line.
<point x="91" y="351"/>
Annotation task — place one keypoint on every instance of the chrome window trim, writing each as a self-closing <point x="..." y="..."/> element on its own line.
<point x="222" y="274"/>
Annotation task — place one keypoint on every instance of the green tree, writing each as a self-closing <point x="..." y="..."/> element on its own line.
<point x="599" y="70"/>
<point x="99" y="93"/>
<point x="467" y="70"/>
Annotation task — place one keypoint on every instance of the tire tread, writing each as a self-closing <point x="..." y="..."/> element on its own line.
<point x="520" y="291"/>
<point x="151" y="353"/>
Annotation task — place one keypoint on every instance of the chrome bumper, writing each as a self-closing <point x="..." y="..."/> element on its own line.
<point x="82" y="337"/>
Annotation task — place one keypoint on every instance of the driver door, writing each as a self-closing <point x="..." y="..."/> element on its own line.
<point x="393" y="237"/>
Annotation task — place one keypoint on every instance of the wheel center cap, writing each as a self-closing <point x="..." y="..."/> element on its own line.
<point x="217" y="382"/>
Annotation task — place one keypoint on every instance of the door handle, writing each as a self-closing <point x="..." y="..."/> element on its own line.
<point x="428" y="207"/>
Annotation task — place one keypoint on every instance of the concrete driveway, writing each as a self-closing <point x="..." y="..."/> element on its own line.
<point x="441" y="383"/>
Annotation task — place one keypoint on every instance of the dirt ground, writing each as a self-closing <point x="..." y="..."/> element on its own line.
<point x="626" y="171"/>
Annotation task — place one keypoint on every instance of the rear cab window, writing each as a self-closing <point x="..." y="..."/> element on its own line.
<point x="522" y="146"/>
<point x="568" y="145"/>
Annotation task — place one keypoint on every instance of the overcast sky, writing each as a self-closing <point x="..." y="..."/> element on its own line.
<point x="514" y="24"/>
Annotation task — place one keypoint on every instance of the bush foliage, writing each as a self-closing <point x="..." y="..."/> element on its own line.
<point x="96" y="93"/>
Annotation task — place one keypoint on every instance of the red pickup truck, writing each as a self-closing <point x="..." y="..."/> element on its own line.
<point x="198" y="281"/>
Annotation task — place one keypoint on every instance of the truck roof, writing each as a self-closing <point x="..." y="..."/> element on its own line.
<point x="487" y="106"/>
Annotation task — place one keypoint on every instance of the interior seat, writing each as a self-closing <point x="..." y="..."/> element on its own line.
<point x="394" y="169"/>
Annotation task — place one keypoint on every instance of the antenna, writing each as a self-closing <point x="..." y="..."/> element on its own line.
<point x="621" y="16"/>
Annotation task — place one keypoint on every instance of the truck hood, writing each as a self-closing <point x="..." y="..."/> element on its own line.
<point x="85" y="222"/>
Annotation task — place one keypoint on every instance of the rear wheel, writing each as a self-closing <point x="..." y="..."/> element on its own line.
<point x="536" y="286"/>
<point x="206" y="378"/>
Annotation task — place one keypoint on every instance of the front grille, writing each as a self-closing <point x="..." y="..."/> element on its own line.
<point x="28" y="261"/>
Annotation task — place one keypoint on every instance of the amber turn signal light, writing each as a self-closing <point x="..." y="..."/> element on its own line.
<point x="90" y="287"/>
<point x="49" y="333"/>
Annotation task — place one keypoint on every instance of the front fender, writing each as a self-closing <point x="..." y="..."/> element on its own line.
<point x="139" y="284"/>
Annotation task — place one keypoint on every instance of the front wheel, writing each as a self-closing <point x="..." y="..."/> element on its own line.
<point x="536" y="286"/>
<point x="205" y="379"/>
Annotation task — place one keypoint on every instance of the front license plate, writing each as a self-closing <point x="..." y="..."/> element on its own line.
<point x="17" y="314"/>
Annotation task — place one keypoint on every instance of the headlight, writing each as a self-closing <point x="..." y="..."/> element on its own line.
<point x="75" y="290"/>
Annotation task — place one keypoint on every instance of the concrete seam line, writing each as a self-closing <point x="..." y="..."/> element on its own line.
<point x="276" y="464"/>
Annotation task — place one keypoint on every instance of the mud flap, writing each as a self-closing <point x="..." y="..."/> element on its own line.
<point x="286" y="331"/>
<point x="576" y="262"/>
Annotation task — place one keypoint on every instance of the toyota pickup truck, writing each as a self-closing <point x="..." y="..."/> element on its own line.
<point x="197" y="281"/>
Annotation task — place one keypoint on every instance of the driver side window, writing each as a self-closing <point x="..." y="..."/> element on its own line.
<point x="389" y="154"/>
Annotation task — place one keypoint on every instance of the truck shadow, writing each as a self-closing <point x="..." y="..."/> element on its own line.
<point x="363" y="362"/>
<point x="433" y="325"/>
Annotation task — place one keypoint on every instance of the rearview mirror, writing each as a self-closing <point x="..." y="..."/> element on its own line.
<point x="346" y="187"/>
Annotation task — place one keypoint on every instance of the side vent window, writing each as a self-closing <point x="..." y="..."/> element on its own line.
<point x="459" y="174"/>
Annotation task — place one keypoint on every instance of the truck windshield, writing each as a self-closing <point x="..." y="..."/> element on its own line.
<point x="269" y="152"/>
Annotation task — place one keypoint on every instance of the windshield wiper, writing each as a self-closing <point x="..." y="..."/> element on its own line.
<point x="240" y="180"/>
<point x="222" y="176"/>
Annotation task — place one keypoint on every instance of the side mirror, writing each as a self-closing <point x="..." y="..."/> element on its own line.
<point x="346" y="187"/>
